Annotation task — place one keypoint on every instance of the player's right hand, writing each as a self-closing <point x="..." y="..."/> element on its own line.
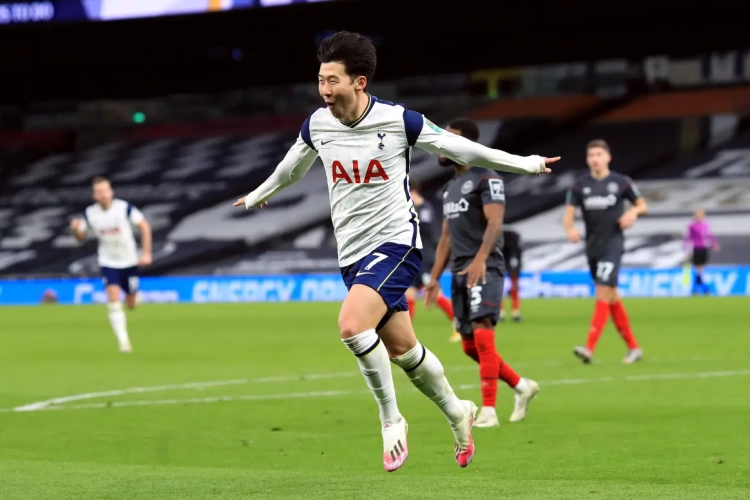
<point x="574" y="236"/>
<point x="75" y="224"/>
<point x="431" y="292"/>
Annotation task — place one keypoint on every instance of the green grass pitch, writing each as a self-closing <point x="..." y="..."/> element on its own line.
<point x="262" y="401"/>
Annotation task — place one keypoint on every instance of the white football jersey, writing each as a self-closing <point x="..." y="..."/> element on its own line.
<point x="367" y="167"/>
<point x="114" y="230"/>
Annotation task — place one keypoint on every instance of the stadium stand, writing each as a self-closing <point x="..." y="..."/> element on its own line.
<point x="185" y="177"/>
<point x="698" y="156"/>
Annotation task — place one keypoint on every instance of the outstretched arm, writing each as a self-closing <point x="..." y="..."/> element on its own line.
<point x="292" y="168"/>
<point x="572" y="201"/>
<point x="442" y="257"/>
<point x="146" y="242"/>
<point x="687" y="241"/>
<point x="442" y="254"/>
<point x="640" y="207"/>
<point x="424" y="134"/>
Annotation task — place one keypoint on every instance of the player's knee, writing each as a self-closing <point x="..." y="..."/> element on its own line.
<point x="363" y="309"/>
<point x="114" y="307"/>
<point x="606" y="293"/>
<point x="113" y="293"/>
<point x="398" y="346"/>
<point x="350" y="325"/>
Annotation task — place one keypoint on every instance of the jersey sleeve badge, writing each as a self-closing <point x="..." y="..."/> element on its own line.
<point x="433" y="126"/>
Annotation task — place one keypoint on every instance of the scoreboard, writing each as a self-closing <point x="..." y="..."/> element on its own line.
<point x="46" y="11"/>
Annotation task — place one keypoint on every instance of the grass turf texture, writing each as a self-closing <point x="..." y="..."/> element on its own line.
<point x="674" y="426"/>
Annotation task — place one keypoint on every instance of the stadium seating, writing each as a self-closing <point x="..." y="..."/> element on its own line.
<point x="185" y="178"/>
<point x="684" y="150"/>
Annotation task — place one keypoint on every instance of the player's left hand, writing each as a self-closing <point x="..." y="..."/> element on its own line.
<point x="547" y="161"/>
<point x="627" y="219"/>
<point x="476" y="272"/>
<point x="431" y="292"/>
<point x="145" y="260"/>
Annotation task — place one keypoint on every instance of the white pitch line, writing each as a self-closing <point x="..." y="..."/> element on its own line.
<point x="466" y="367"/>
<point x="320" y="394"/>
<point x="272" y="379"/>
<point x="218" y="399"/>
<point x="633" y="378"/>
<point x="119" y="392"/>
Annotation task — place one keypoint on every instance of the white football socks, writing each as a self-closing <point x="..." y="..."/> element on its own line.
<point x="374" y="364"/>
<point x="427" y="374"/>
<point x="118" y="322"/>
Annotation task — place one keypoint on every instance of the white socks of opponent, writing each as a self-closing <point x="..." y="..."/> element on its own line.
<point x="421" y="366"/>
<point x="119" y="325"/>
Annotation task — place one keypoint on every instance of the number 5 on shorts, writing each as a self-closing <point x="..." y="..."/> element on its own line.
<point x="603" y="270"/>
<point x="476" y="297"/>
<point x="379" y="257"/>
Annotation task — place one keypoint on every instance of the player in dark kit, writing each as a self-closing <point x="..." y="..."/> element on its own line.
<point x="601" y="195"/>
<point x="473" y="210"/>
<point x="512" y="254"/>
<point x="426" y="215"/>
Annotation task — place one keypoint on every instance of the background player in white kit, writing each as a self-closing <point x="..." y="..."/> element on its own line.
<point x="365" y="144"/>
<point x="111" y="220"/>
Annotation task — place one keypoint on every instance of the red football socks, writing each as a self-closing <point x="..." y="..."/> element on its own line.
<point x="601" y="314"/>
<point x="489" y="365"/>
<point x="514" y="293"/>
<point x="504" y="371"/>
<point x="622" y="323"/>
<point x="412" y="307"/>
<point x="445" y="304"/>
<point x="470" y="349"/>
<point x="507" y="374"/>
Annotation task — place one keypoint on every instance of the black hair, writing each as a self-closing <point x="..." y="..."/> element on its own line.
<point x="467" y="128"/>
<point x="354" y="51"/>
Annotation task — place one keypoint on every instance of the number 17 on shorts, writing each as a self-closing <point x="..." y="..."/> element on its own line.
<point x="605" y="271"/>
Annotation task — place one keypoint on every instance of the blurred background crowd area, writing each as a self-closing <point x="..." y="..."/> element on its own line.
<point x="187" y="104"/>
